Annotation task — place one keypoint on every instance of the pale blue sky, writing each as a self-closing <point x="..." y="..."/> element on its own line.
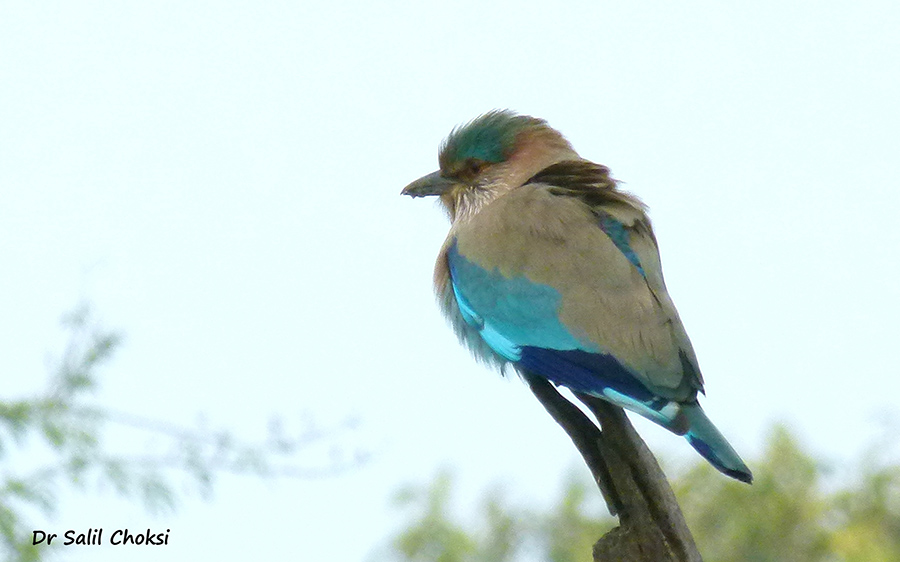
<point x="222" y="181"/>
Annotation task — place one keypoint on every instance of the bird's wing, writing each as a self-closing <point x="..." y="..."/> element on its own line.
<point x="562" y="277"/>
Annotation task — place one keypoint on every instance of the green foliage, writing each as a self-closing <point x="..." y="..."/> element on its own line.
<point x="502" y="533"/>
<point x="433" y="536"/>
<point x="780" y="517"/>
<point x="568" y="532"/>
<point x="65" y="424"/>
<point x="61" y="420"/>
<point x="869" y="517"/>
<point x="785" y="516"/>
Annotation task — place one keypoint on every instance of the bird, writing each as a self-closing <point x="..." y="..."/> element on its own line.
<point x="550" y="268"/>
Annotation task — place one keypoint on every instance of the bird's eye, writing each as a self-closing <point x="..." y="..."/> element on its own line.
<point x="474" y="166"/>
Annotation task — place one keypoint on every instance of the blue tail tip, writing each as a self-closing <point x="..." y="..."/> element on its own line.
<point x="744" y="476"/>
<point x="741" y="473"/>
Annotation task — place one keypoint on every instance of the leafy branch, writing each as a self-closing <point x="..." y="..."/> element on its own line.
<point x="69" y="423"/>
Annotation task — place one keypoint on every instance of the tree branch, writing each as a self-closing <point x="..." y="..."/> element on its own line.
<point x="651" y="526"/>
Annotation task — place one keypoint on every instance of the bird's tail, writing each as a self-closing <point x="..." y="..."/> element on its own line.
<point x="709" y="442"/>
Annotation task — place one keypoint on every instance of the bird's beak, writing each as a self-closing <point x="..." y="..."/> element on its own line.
<point x="432" y="184"/>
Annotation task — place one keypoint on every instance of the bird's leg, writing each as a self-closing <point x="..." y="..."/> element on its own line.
<point x="583" y="432"/>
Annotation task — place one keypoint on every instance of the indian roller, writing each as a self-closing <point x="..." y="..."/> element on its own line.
<point x="552" y="269"/>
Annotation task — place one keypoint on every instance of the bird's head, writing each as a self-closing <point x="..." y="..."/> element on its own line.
<point x="489" y="156"/>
